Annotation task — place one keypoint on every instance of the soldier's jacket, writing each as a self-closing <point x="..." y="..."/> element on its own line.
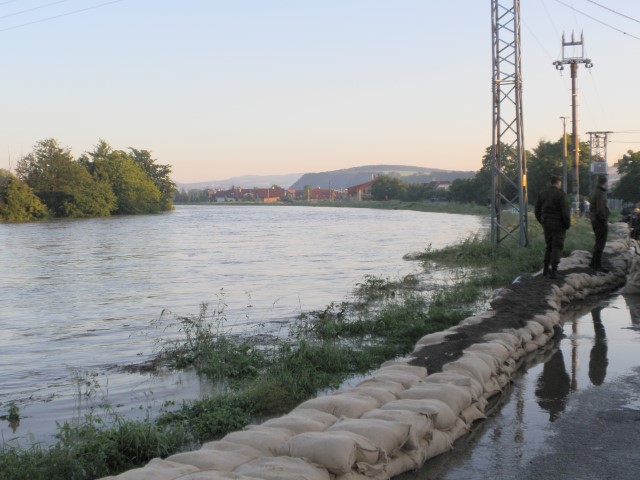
<point x="552" y="207"/>
<point x="599" y="208"/>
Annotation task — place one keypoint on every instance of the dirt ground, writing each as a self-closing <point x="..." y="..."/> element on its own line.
<point x="523" y="300"/>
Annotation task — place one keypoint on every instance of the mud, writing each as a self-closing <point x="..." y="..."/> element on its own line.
<point x="513" y="309"/>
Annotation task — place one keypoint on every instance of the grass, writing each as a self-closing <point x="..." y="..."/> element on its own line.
<point x="321" y="350"/>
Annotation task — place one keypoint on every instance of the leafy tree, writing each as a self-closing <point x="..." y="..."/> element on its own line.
<point x="629" y="170"/>
<point x="64" y="185"/>
<point x="546" y="160"/>
<point x="135" y="192"/>
<point x="469" y="190"/>
<point x="159" y="175"/>
<point x="18" y="203"/>
<point x="387" y="188"/>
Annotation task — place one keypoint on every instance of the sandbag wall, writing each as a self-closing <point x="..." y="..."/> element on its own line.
<point x="398" y="417"/>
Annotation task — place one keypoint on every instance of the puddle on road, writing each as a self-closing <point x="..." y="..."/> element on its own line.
<point x="600" y="344"/>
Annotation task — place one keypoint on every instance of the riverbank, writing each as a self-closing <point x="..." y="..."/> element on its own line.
<point x="338" y="343"/>
<point x="417" y="206"/>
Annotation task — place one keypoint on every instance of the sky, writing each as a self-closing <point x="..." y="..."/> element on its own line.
<point x="223" y="88"/>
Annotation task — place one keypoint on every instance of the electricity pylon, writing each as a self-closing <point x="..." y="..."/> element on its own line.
<point x="508" y="162"/>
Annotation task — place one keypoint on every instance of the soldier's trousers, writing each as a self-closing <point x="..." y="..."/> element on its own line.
<point x="554" y="235"/>
<point x="600" y="229"/>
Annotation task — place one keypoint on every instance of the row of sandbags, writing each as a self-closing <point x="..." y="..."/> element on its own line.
<point x="395" y="419"/>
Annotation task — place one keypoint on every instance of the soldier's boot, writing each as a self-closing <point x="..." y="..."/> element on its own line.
<point x="545" y="270"/>
<point x="554" y="271"/>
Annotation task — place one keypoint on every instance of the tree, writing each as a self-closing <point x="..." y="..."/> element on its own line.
<point x="18" y="203"/>
<point x="629" y="170"/>
<point x="159" y="175"/>
<point x="387" y="188"/>
<point x="134" y="191"/>
<point x="64" y="185"/>
<point x="469" y="190"/>
<point x="546" y="160"/>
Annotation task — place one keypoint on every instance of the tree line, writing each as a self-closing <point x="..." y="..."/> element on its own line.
<point x="50" y="183"/>
<point x="542" y="162"/>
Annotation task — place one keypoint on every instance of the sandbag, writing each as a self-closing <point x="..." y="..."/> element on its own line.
<point x="477" y="369"/>
<point x="458" y="380"/>
<point x="390" y="385"/>
<point x="411" y="369"/>
<point x="338" y="452"/>
<point x="535" y="328"/>
<point x="385" y="435"/>
<point x="296" y="424"/>
<point x="440" y="443"/>
<point x="472" y="413"/>
<point x="633" y="278"/>
<point x="158" y="469"/>
<point x="380" y="394"/>
<point x="420" y="425"/>
<point x="213" y="475"/>
<point x="546" y="322"/>
<point x="226" y="459"/>
<point x="403" y="462"/>
<point x="458" y="430"/>
<point x="283" y="468"/>
<point x="509" y="340"/>
<point x="433" y="338"/>
<point x="492" y="362"/>
<point x="406" y="379"/>
<point x="458" y="398"/>
<point x="441" y="414"/>
<point x="266" y="439"/>
<point x="319" y="416"/>
<point x="342" y="405"/>
<point x="495" y="349"/>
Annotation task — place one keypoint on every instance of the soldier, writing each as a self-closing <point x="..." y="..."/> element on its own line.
<point x="599" y="222"/>
<point x="552" y="211"/>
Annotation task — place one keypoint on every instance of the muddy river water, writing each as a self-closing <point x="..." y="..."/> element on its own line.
<point x="78" y="298"/>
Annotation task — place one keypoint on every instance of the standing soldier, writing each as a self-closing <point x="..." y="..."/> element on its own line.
<point x="599" y="222"/>
<point x="552" y="211"/>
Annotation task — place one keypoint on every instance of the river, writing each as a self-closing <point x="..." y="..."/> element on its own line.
<point x="80" y="297"/>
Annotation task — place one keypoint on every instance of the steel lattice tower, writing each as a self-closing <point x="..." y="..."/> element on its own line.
<point x="508" y="163"/>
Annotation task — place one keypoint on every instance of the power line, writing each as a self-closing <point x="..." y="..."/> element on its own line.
<point x="32" y="9"/>
<point x="61" y="15"/>
<point x="613" y="11"/>
<point x="8" y="1"/>
<point x="596" y="20"/>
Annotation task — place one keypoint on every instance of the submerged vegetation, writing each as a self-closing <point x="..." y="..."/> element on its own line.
<point x="257" y="379"/>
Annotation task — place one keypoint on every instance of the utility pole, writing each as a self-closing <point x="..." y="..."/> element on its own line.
<point x="598" y="144"/>
<point x="508" y="187"/>
<point x="564" y="153"/>
<point x="574" y="57"/>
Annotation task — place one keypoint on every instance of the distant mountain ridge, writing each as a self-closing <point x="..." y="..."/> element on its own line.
<point x="244" y="181"/>
<point x="336" y="179"/>
<point x="341" y="179"/>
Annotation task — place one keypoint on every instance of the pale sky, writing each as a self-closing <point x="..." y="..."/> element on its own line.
<point x="220" y="88"/>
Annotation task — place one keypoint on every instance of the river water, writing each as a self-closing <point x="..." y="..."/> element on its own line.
<point x="79" y="297"/>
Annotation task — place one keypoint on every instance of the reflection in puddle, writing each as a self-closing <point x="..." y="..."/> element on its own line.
<point x="598" y="345"/>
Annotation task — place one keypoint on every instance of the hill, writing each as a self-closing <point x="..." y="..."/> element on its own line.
<point x="244" y="181"/>
<point x="340" y="179"/>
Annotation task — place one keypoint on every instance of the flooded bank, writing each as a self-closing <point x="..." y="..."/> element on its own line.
<point x="575" y="414"/>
